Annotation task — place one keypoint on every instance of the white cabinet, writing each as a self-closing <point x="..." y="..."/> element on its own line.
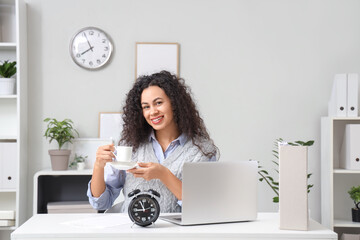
<point x="13" y="113"/>
<point x="336" y="182"/>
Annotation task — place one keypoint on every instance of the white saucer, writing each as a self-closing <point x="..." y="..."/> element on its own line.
<point x="123" y="165"/>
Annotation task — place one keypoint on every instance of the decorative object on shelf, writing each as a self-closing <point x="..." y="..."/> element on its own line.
<point x="155" y="57"/>
<point x="91" y="48"/>
<point x="265" y="176"/>
<point x="354" y="193"/>
<point x="62" y="132"/>
<point x="79" y="162"/>
<point x="144" y="209"/>
<point x="7" y="81"/>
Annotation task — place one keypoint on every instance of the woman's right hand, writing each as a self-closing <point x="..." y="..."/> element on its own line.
<point x="104" y="154"/>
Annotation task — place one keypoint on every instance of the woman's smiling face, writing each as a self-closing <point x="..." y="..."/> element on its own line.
<point x="157" y="109"/>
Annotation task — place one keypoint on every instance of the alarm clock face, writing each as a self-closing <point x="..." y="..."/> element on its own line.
<point x="91" y="48"/>
<point x="144" y="210"/>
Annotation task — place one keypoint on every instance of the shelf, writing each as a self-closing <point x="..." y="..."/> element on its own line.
<point x="7" y="190"/>
<point x="7" y="228"/>
<point x="7" y="46"/>
<point x="346" y="171"/>
<point x="66" y="172"/>
<point x="8" y="96"/>
<point x="346" y="223"/>
<point x="8" y="138"/>
<point x="346" y="118"/>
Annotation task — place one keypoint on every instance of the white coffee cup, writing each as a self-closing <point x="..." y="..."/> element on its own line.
<point x="123" y="153"/>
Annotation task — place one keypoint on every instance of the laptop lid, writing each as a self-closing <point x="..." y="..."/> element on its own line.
<point x="215" y="192"/>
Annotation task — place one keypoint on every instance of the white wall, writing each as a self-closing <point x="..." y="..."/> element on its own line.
<point x="258" y="69"/>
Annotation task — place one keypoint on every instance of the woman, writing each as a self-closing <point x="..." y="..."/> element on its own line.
<point x="164" y="128"/>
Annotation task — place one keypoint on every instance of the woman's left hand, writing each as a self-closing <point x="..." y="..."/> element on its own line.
<point x="148" y="171"/>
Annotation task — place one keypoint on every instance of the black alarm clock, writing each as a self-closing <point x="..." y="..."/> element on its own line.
<point x="144" y="209"/>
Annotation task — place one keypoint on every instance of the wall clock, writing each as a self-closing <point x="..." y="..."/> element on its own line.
<point x="91" y="48"/>
<point x="144" y="209"/>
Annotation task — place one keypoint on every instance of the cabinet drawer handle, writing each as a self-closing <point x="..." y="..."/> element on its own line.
<point x="9" y="177"/>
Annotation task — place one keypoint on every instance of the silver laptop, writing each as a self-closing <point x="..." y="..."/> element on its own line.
<point x="217" y="192"/>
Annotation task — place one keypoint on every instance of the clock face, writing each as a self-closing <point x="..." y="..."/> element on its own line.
<point x="91" y="48"/>
<point x="144" y="210"/>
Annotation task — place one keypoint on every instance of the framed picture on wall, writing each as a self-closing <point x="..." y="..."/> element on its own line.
<point x="155" y="57"/>
<point x="110" y="125"/>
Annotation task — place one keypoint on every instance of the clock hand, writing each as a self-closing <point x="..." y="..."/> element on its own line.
<point x="87" y="50"/>
<point x="88" y="42"/>
<point x="142" y="205"/>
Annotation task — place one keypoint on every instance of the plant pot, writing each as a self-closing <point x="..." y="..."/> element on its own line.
<point x="80" y="166"/>
<point x="7" y="86"/>
<point x="355" y="215"/>
<point x="59" y="159"/>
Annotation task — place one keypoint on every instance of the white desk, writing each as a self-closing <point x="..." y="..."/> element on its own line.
<point x="82" y="226"/>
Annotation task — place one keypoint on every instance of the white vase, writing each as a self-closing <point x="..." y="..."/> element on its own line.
<point x="7" y="86"/>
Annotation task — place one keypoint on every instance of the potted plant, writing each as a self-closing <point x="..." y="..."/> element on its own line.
<point x="265" y="176"/>
<point x="62" y="132"/>
<point x="79" y="162"/>
<point x="354" y="193"/>
<point x="7" y="82"/>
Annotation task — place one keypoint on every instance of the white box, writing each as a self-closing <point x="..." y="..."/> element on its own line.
<point x="347" y="236"/>
<point x="70" y="207"/>
<point x="293" y="196"/>
<point x="7" y="215"/>
<point x="350" y="150"/>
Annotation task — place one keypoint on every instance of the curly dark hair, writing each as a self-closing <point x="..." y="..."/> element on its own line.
<point x="135" y="128"/>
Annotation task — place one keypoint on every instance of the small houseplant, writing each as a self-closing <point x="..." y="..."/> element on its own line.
<point x="79" y="162"/>
<point x="7" y="82"/>
<point x="354" y="193"/>
<point x="62" y="132"/>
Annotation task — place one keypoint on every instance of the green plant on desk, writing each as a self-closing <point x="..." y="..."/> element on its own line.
<point x="78" y="159"/>
<point x="265" y="176"/>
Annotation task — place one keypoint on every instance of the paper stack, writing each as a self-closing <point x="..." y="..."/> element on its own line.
<point x="7" y="218"/>
<point x="70" y="207"/>
<point x="344" y="96"/>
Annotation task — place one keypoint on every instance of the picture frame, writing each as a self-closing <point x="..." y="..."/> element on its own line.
<point x="110" y="125"/>
<point x="152" y="57"/>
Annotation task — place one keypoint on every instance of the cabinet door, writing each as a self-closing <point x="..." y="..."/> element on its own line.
<point x="8" y="165"/>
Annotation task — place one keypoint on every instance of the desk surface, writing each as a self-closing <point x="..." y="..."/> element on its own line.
<point x="116" y="226"/>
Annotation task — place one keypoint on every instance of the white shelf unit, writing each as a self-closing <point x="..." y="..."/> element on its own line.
<point x="336" y="182"/>
<point x="13" y="109"/>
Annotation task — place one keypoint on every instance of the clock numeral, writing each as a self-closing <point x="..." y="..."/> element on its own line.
<point x="98" y="61"/>
<point x="106" y="48"/>
<point x="78" y="55"/>
<point x="91" y="33"/>
<point x="104" y="56"/>
<point x="103" y="41"/>
<point x="83" y="60"/>
<point x="91" y="63"/>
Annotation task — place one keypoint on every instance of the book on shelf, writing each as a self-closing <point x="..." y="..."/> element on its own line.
<point x="7" y="215"/>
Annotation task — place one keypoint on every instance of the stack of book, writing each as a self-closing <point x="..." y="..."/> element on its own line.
<point x="344" y="96"/>
<point x="7" y="218"/>
<point x="70" y="207"/>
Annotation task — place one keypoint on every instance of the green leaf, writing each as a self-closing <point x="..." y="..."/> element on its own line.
<point x="275" y="199"/>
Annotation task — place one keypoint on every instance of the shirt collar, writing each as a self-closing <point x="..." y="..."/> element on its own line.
<point x="182" y="138"/>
